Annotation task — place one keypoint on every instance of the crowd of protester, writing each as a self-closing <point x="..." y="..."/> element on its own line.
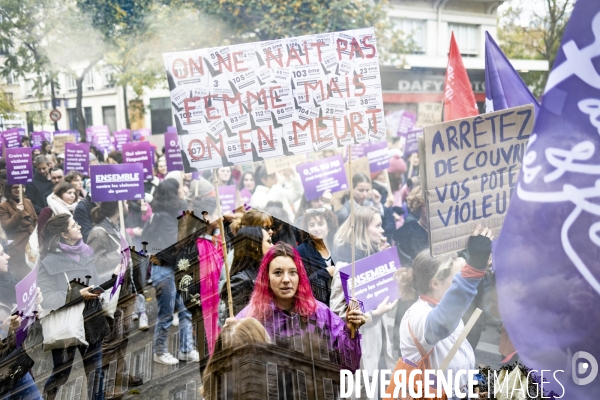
<point x="284" y="258"/>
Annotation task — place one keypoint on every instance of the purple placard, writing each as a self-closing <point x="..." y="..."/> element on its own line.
<point x="407" y="123"/>
<point x="319" y="176"/>
<point x="173" y="152"/>
<point x="37" y="138"/>
<point x="101" y="137"/>
<point x="26" y="291"/>
<point x="121" y="137"/>
<point x="11" y="138"/>
<point x="138" y="134"/>
<point x="19" y="167"/>
<point x="112" y="182"/>
<point x="22" y="132"/>
<point x="67" y="132"/>
<point x="245" y="196"/>
<point x="171" y="129"/>
<point x="77" y="158"/>
<point x="139" y="152"/>
<point x="379" y="156"/>
<point x="374" y="278"/>
<point x="196" y="174"/>
<point x="412" y="145"/>
<point x="227" y="195"/>
<point x="358" y="151"/>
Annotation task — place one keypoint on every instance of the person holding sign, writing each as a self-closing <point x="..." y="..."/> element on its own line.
<point x="282" y="294"/>
<point x="369" y="240"/>
<point x="10" y="352"/>
<point x="18" y="218"/>
<point x="41" y="187"/>
<point x="446" y="286"/>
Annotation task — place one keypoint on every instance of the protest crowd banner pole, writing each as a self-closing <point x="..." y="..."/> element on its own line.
<point x="223" y="243"/>
<point x="121" y="218"/>
<point x="20" y="194"/>
<point x="351" y="229"/>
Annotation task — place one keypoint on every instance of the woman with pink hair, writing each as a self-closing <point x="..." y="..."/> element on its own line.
<point x="282" y="294"/>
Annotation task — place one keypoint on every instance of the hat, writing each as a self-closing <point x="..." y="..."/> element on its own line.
<point x="397" y="165"/>
<point x="204" y="188"/>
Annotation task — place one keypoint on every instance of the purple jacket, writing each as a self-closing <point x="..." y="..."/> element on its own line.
<point x="339" y="335"/>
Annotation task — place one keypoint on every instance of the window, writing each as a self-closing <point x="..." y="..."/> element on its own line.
<point x="88" y="81"/>
<point x="72" y="115"/>
<point x="109" y="80"/>
<point x="160" y="114"/>
<point x="71" y="84"/>
<point x="466" y="38"/>
<point x="413" y="29"/>
<point x="109" y="117"/>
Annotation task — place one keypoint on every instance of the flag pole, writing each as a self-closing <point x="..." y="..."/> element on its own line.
<point x="223" y="242"/>
<point x="351" y="231"/>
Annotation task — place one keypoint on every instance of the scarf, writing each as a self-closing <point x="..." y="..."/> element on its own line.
<point x="58" y="205"/>
<point x="78" y="249"/>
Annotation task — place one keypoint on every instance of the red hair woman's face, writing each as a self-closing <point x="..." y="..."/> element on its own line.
<point x="283" y="281"/>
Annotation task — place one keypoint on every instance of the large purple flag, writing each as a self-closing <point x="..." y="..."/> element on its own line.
<point x="547" y="259"/>
<point x="504" y="87"/>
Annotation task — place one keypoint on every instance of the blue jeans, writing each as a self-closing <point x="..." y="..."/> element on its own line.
<point x="169" y="300"/>
<point x="92" y="363"/>
<point x="25" y="389"/>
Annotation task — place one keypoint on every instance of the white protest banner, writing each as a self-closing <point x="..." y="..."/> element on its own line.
<point x="255" y="101"/>
<point x="471" y="167"/>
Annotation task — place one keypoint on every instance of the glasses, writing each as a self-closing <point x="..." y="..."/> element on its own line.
<point x="315" y="210"/>
<point x="268" y="228"/>
<point x="74" y="226"/>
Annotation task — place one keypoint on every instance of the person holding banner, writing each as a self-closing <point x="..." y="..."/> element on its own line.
<point x="368" y="240"/>
<point x="10" y="352"/>
<point x="18" y="220"/>
<point x="282" y="294"/>
<point x="446" y="286"/>
<point x="65" y="257"/>
<point x="41" y="187"/>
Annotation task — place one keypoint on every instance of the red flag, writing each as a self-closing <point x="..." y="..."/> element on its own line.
<point x="459" y="100"/>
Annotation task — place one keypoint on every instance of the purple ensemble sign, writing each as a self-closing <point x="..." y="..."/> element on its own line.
<point x="374" y="278"/>
<point x="112" y="182"/>
<point x="77" y="158"/>
<point x="173" y="152"/>
<point x="379" y="156"/>
<point x="319" y="176"/>
<point x="139" y="152"/>
<point x="19" y="167"/>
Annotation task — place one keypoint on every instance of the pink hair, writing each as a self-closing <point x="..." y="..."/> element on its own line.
<point x="260" y="304"/>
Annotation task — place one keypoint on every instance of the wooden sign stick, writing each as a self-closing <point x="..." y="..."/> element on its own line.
<point x="223" y="241"/>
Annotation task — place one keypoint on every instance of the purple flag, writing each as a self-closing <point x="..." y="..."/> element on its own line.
<point x="547" y="260"/>
<point x="139" y="152"/>
<point x="121" y="137"/>
<point x="173" y="152"/>
<point x="227" y="194"/>
<point x="112" y="182"/>
<point x="321" y="175"/>
<point x="77" y="158"/>
<point x="19" y="167"/>
<point x="504" y="87"/>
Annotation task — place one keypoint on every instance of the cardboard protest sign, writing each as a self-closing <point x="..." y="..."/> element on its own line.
<point x="11" y="138"/>
<point x="121" y="137"/>
<point x="228" y="196"/>
<point x="139" y="152"/>
<point x="26" y="291"/>
<point x="37" y="138"/>
<point x="469" y="170"/>
<point x="68" y="132"/>
<point x="59" y="142"/>
<point x="321" y="175"/>
<point x="173" y="152"/>
<point x="254" y="101"/>
<point x="100" y="137"/>
<point x="429" y="114"/>
<point x="112" y="182"/>
<point x="19" y="167"/>
<point x="77" y="158"/>
<point x="275" y="165"/>
<point x="374" y="278"/>
<point x="378" y="155"/>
